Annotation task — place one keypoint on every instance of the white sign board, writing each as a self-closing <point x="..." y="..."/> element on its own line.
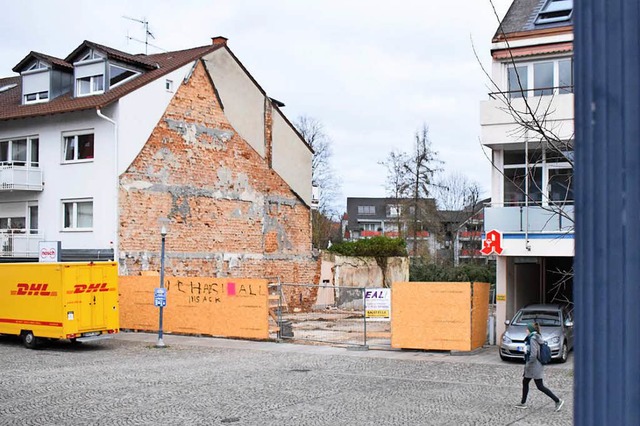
<point x="377" y="304"/>
<point x="49" y="251"/>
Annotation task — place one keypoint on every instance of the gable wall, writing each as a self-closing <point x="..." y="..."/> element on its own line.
<point x="231" y="215"/>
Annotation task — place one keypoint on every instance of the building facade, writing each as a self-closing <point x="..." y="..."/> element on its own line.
<point x="444" y="235"/>
<point x="100" y="148"/>
<point x="527" y="122"/>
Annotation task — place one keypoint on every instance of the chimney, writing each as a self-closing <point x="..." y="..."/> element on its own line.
<point x="219" y="40"/>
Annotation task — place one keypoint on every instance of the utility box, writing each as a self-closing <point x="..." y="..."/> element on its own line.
<point x="439" y="315"/>
<point x="75" y="301"/>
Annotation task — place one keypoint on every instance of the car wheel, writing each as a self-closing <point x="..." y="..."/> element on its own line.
<point x="29" y="340"/>
<point x="564" y="352"/>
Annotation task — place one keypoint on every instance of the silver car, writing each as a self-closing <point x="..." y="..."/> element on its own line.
<point x="556" y="327"/>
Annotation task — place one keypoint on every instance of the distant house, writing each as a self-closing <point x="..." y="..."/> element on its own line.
<point x="95" y="148"/>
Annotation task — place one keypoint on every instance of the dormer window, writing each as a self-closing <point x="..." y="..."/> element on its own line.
<point x="90" y="73"/>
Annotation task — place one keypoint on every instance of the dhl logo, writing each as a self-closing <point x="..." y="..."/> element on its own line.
<point x="90" y="288"/>
<point x="35" y="289"/>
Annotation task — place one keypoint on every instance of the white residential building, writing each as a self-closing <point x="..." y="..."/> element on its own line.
<point x="527" y="123"/>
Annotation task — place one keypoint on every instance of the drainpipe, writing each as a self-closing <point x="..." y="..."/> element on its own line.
<point x="526" y="198"/>
<point x="117" y="184"/>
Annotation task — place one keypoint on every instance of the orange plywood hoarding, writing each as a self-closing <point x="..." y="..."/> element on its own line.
<point x="479" y="314"/>
<point x="438" y="315"/>
<point x="212" y="306"/>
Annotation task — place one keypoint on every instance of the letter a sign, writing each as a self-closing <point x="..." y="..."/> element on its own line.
<point x="492" y="243"/>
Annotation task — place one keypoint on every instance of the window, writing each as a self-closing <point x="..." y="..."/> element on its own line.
<point x="549" y="178"/>
<point x="78" y="147"/>
<point x="366" y="210"/>
<point x="19" y="152"/>
<point x="518" y="82"/>
<point x="543" y="78"/>
<point x="15" y="224"/>
<point x="119" y="75"/>
<point x="77" y="214"/>
<point x="90" y="55"/>
<point x="33" y="219"/>
<point x="90" y="85"/>
<point x="168" y="84"/>
<point x="555" y="11"/>
<point x="394" y="210"/>
<point x="371" y="226"/>
<point x="540" y="78"/>
<point x="36" y="97"/>
<point x="565" y="76"/>
<point x="561" y="185"/>
<point x="36" y="65"/>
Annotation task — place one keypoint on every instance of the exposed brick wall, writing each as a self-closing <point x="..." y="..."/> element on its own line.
<point x="231" y="214"/>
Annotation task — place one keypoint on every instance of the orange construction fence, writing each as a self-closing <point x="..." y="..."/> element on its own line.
<point x="225" y="307"/>
<point x="439" y="315"/>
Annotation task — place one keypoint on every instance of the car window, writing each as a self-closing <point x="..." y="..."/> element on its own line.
<point x="544" y="318"/>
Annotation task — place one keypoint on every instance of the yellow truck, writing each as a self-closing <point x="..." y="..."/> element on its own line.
<point x="74" y="301"/>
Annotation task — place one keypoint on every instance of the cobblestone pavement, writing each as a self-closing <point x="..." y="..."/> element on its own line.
<point x="206" y="381"/>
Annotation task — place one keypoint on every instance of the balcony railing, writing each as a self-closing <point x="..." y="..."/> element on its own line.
<point x="552" y="219"/>
<point x="14" y="177"/>
<point x="526" y="93"/>
<point x="19" y="242"/>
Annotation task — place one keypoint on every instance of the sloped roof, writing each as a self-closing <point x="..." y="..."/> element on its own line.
<point x="521" y="17"/>
<point x="55" y="62"/>
<point x="159" y="64"/>
<point x="140" y="60"/>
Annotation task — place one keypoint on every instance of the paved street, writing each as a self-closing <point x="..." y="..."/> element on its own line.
<point x="216" y="381"/>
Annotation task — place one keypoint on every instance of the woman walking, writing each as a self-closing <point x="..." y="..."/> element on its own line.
<point x="533" y="368"/>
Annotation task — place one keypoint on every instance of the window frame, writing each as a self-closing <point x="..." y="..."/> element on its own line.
<point x="531" y="91"/>
<point x="131" y="77"/>
<point x="76" y="147"/>
<point x="29" y="157"/>
<point x="92" y="80"/>
<point x="39" y="97"/>
<point x="74" y="215"/>
<point x="366" y="210"/>
<point x="545" y="166"/>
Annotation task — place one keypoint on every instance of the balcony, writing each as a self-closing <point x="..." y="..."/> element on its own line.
<point x="499" y="127"/>
<point x="20" y="178"/>
<point x="19" y="243"/>
<point x="530" y="219"/>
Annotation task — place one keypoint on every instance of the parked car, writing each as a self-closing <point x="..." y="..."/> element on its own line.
<point x="556" y="327"/>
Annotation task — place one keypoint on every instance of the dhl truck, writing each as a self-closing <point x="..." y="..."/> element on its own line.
<point x="74" y="301"/>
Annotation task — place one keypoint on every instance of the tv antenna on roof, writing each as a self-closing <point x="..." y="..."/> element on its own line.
<point x="147" y="34"/>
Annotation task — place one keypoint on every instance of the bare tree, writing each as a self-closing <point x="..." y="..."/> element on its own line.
<point x="397" y="184"/>
<point x="457" y="198"/>
<point x="325" y="220"/>
<point x="409" y="183"/>
<point x="323" y="175"/>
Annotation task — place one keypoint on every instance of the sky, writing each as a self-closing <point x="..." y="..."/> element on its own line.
<point x="372" y="72"/>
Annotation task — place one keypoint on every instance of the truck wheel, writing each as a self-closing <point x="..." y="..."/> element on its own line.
<point x="29" y="340"/>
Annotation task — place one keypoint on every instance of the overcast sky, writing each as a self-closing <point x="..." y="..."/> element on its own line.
<point x="371" y="71"/>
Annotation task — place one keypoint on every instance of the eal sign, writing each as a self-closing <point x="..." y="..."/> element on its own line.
<point x="377" y="302"/>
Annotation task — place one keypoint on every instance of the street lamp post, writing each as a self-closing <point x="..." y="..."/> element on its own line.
<point x="163" y="233"/>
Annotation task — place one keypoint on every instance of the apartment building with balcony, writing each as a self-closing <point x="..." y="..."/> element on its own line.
<point x="446" y="236"/>
<point x="97" y="147"/>
<point x="527" y="123"/>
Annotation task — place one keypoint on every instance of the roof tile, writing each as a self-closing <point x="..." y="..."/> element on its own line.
<point x="163" y="63"/>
